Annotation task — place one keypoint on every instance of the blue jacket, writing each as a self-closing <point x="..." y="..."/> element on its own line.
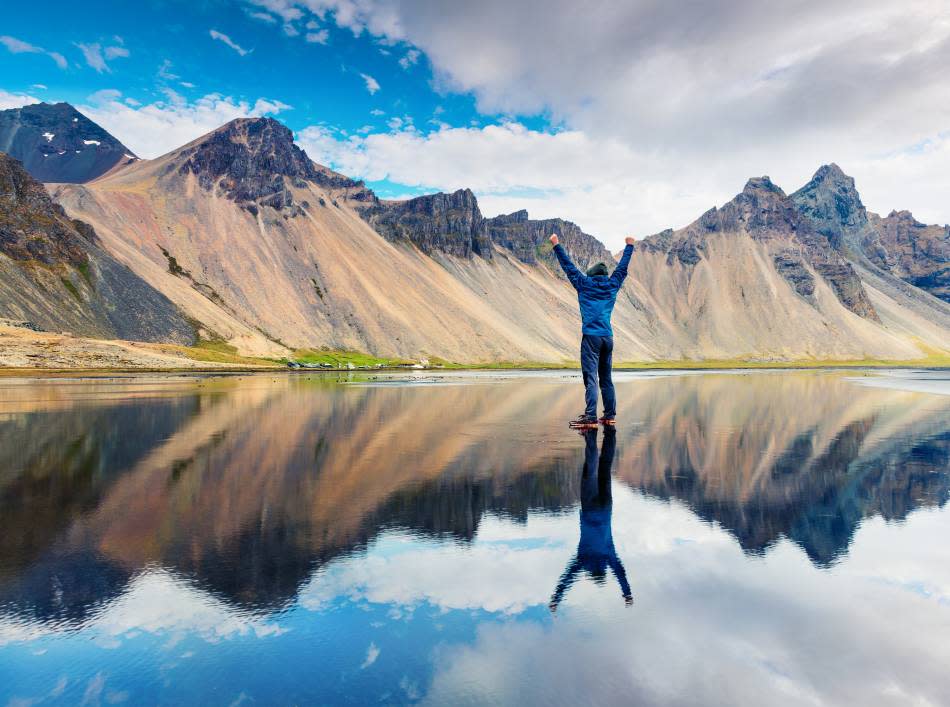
<point x="596" y="295"/>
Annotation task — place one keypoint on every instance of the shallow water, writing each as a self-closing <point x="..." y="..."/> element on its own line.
<point x="447" y="540"/>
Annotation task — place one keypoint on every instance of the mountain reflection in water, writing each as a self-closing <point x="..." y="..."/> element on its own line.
<point x="246" y="488"/>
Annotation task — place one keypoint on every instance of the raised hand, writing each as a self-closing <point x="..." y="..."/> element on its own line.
<point x="629" y="240"/>
<point x="554" y="239"/>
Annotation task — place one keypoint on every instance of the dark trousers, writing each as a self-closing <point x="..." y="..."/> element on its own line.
<point x="596" y="361"/>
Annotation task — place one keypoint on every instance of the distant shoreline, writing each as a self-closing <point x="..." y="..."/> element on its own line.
<point x="672" y="367"/>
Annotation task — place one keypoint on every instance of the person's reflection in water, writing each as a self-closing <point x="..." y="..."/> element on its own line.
<point x="595" y="551"/>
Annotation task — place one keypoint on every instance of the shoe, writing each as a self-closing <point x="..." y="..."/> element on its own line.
<point x="583" y="422"/>
<point x="608" y="421"/>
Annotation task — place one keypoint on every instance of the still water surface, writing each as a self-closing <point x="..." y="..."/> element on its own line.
<point x="765" y="538"/>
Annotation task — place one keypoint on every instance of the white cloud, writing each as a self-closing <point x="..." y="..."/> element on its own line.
<point x="156" y="128"/>
<point x="377" y="111"/>
<point x="16" y="100"/>
<point x="263" y="17"/>
<point x="742" y="630"/>
<point x="58" y="58"/>
<point x="705" y="95"/>
<point x="410" y="59"/>
<point x="18" y="46"/>
<point x="601" y="184"/>
<point x="114" y="52"/>
<point x="287" y="10"/>
<point x="221" y="37"/>
<point x="372" y="85"/>
<point x="372" y="653"/>
<point x="158" y="602"/>
<point x="318" y="37"/>
<point x="165" y="71"/>
<point x="97" y="56"/>
<point x="93" y="56"/>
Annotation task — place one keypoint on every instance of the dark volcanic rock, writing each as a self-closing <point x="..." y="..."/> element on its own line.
<point x="53" y="273"/>
<point x="255" y="162"/>
<point x="449" y="223"/>
<point x="791" y="267"/>
<point x="915" y="252"/>
<point x="527" y="239"/>
<point x="57" y="143"/>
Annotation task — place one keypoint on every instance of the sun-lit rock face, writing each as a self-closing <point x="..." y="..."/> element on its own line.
<point x="54" y="275"/>
<point x="57" y="143"/>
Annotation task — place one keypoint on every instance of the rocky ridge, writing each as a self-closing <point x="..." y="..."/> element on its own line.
<point x="527" y="239"/>
<point x="448" y="223"/>
<point x="454" y="224"/>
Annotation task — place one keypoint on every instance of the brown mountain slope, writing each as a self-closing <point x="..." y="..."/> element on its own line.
<point x="758" y="278"/>
<point x="54" y="274"/>
<point x="266" y="249"/>
<point x="269" y="251"/>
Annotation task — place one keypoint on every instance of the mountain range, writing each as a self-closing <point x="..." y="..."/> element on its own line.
<point x="258" y="246"/>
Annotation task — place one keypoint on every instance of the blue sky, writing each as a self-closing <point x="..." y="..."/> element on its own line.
<point x="630" y="118"/>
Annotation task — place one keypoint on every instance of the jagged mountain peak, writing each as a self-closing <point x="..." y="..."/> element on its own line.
<point x="57" y="143"/>
<point x="831" y="201"/>
<point x="832" y="173"/>
<point x="255" y="162"/>
<point x="256" y="133"/>
<point x="757" y="185"/>
<point x="246" y="146"/>
<point x="903" y="215"/>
